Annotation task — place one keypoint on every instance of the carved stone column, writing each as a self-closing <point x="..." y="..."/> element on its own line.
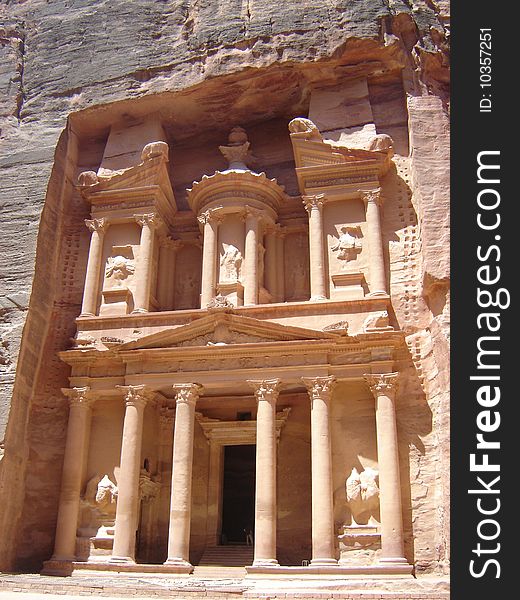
<point x="76" y="448"/>
<point x="320" y="393"/>
<point x="271" y="262"/>
<point x="384" y="388"/>
<point x="314" y="207"/>
<point x="375" y="240"/>
<point x="186" y="396"/>
<point x="144" y="267"/>
<point x="266" y="394"/>
<point x="167" y="264"/>
<point x="127" y="511"/>
<point x="252" y="220"/>
<point x="95" y="255"/>
<point x="209" y="256"/>
<point x="280" y="263"/>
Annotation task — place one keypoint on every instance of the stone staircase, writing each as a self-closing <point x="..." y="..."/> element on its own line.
<point x="227" y="556"/>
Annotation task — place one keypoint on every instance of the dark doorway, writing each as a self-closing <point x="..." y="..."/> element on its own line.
<point x="238" y="502"/>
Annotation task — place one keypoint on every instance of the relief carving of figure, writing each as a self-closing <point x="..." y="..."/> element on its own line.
<point x="230" y="264"/>
<point x="348" y="244"/>
<point x="362" y="491"/>
<point x="118" y="268"/>
<point x="106" y="494"/>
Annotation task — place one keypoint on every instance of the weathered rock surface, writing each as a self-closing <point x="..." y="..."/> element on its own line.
<point x="68" y="70"/>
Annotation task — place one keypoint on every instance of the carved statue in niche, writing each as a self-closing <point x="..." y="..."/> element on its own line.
<point x="118" y="268"/>
<point x="101" y="498"/>
<point x="362" y="492"/>
<point x="348" y="245"/>
<point x="230" y="264"/>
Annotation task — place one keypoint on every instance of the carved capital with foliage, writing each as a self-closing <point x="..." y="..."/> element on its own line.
<point x="265" y="389"/>
<point x="186" y="393"/>
<point x="320" y="388"/>
<point x="80" y="397"/>
<point x="373" y="196"/>
<point x="97" y="225"/>
<point x="383" y="384"/>
<point x="151" y="220"/>
<point x="136" y="395"/>
<point x="314" y="202"/>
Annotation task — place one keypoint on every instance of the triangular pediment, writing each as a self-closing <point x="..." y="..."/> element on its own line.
<point x="225" y="329"/>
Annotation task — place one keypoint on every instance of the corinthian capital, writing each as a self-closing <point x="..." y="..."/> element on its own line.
<point x="79" y="396"/>
<point x="372" y="196"/>
<point x="186" y="393"/>
<point x="152" y="220"/>
<point x="382" y="383"/>
<point x="99" y="225"/>
<point x="320" y="387"/>
<point x="210" y="216"/>
<point x="265" y="389"/>
<point x="313" y="202"/>
<point x="136" y="395"/>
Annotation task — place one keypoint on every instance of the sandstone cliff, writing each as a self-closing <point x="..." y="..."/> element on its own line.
<point x="68" y="69"/>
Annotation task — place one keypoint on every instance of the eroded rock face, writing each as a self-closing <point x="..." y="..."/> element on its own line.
<point x="202" y="68"/>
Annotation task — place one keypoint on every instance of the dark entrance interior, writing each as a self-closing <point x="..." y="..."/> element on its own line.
<point x="238" y="503"/>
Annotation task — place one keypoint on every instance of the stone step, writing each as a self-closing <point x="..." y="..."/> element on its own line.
<point x="218" y="572"/>
<point x="229" y="556"/>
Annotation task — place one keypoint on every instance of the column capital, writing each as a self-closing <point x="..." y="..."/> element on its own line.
<point x="251" y="212"/>
<point x="99" y="225"/>
<point x="265" y="389"/>
<point x="313" y="202"/>
<point x="382" y="384"/>
<point x="79" y="396"/>
<point x="152" y="220"/>
<point x="186" y="393"/>
<point x="373" y="196"/>
<point x="136" y="395"/>
<point x="212" y="215"/>
<point x="320" y="387"/>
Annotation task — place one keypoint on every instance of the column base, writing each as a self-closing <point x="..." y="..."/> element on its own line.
<point x="140" y="311"/>
<point x="377" y="293"/>
<point x="84" y="315"/>
<point x="265" y="562"/>
<point x="178" y="562"/>
<point x="317" y="298"/>
<point x="323" y="562"/>
<point x="121" y="560"/>
<point x="60" y="567"/>
<point x="399" y="560"/>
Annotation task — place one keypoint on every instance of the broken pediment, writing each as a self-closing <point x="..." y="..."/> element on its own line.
<point x="224" y="329"/>
<point x="136" y="188"/>
<point x="323" y="164"/>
